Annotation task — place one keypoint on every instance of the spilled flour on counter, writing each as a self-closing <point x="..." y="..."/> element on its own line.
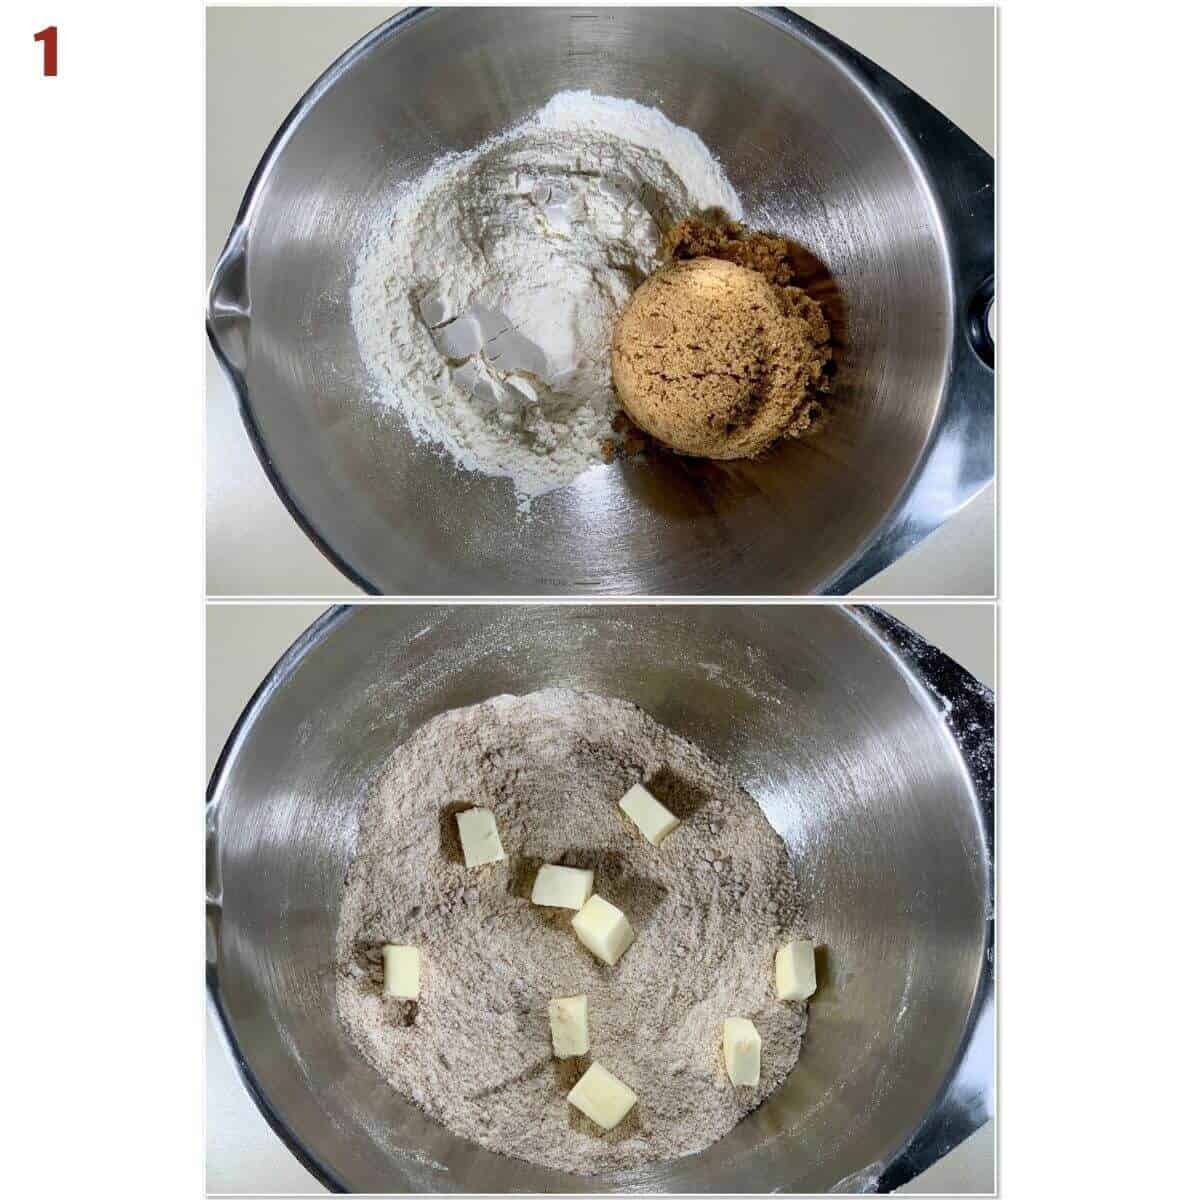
<point x="710" y="906"/>
<point x="484" y="310"/>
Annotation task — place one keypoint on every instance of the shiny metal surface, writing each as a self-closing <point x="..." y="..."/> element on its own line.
<point x="869" y="751"/>
<point x="823" y="146"/>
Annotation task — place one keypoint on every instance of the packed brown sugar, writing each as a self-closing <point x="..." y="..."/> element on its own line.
<point x="719" y="354"/>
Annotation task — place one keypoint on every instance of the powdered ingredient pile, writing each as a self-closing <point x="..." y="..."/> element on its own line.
<point x="710" y="907"/>
<point x="484" y="305"/>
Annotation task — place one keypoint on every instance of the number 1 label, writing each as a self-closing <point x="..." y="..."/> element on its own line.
<point x="49" y="39"/>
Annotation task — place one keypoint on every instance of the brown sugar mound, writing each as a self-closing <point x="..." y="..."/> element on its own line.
<point x="696" y="237"/>
<point x="716" y="356"/>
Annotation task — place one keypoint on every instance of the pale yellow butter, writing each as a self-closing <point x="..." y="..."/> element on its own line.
<point x="569" y="1026"/>
<point x="795" y="970"/>
<point x="479" y="836"/>
<point x="603" y="929"/>
<point x="647" y="814"/>
<point x="743" y="1051"/>
<point x="562" y="887"/>
<point x="402" y="971"/>
<point x="599" y="1094"/>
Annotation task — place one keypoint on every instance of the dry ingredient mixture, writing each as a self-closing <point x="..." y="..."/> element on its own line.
<point x="710" y="906"/>
<point x="719" y="354"/>
<point x="484" y="309"/>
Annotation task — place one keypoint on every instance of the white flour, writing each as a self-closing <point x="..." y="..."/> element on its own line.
<point x="484" y="310"/>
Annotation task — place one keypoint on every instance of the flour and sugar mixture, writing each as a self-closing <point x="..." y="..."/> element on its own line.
<point x="485" y="309"/>
<point x="709" y="907"/>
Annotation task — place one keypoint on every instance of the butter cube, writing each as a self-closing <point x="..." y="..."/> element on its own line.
<point x="562" y="887"/>
<point x="647" y="814"/>
<point x="603" y="929"/>
<point x="402" y="971"/>
<point x="569" y="1026"/>
<point x="479" y="836"/>
<point x="743" y="1051"/>
<point x="795" y="971"/>
<point x="599" y="1094"/>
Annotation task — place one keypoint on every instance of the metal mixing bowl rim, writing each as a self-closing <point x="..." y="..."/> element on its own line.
<point x="948" y="1119"/>
<point x="892" y="536"/>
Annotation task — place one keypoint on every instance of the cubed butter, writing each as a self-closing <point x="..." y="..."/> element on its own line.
<point x="795" y="970"/>
<point x="402" y="971"/>
<point x="743" y="1051"/>
<point x="603" y="929"/>
<point x="562" y="887"/>
<point x="647" y="814"/>
<point x="479" y="836"/>
<point x="569" y="1026"/>
<point x="599" y="1094"/>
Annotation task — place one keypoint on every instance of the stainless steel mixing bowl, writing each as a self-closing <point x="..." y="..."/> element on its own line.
<point x="870" y="753"/>
<point x="822" y="145"/>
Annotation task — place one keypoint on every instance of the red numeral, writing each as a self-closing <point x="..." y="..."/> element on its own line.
<point x="49" y="39"/>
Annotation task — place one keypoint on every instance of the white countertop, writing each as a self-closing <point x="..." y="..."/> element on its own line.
<point x="243" y="1155"/>
<point x="260" y="60"/>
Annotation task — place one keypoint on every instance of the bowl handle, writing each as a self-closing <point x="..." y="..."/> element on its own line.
<point x="228" y="316"/>
<point x="960" y="459"/>
<point x="962" y="175"/>
<point x="968" y="1098"/>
